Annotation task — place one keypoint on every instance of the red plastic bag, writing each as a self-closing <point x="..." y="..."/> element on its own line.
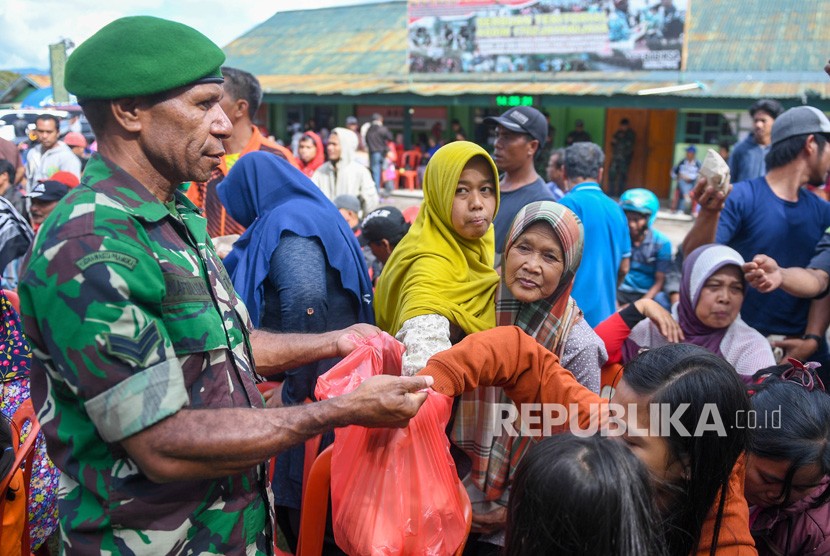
<point x="393" y="491"/>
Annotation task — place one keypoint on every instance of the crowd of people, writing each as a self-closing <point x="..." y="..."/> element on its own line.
<point x="193" y="258"/>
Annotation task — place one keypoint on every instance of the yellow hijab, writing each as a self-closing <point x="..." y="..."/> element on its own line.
<point x="433" y="270"/>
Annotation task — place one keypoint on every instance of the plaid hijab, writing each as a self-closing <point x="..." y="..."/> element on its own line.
<point x="494" y="453"/>
<point x="548" y="320"/>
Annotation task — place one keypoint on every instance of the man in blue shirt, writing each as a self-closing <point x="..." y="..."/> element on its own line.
<point x="747" y="158"/>
<point x="774" y="215"/>
<point x="520" y="133"/>
<point x="607" y="251"/>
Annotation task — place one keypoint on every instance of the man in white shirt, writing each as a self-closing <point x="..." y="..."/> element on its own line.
<point x="50" y="155"/>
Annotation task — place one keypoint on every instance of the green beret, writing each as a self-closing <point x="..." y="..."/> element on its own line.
<point x="141" y="55"/>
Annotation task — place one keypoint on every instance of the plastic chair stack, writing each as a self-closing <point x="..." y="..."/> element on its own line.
<point x="409" y="169"/>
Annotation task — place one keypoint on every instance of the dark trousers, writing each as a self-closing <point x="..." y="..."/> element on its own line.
<point x="617" y="176"/>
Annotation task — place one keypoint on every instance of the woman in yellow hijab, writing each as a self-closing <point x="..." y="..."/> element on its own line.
<point x="439" y="283"/>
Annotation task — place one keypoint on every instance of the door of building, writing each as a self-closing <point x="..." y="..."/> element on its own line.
<point x="651" y="162"/>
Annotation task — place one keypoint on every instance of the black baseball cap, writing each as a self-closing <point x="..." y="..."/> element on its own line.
<point x="384" y="223"/>
<point x="48" y="190"/>
<point x="523" y="119"/>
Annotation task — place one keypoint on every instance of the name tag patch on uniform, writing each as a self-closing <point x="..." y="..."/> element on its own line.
<point x="110" y="257"/>
<point x="185" y="289"/>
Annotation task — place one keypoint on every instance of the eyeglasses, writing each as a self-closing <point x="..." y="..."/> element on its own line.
<point x="803" y="374"/>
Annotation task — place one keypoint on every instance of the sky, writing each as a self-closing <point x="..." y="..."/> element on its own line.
<point x="29" y="26"/>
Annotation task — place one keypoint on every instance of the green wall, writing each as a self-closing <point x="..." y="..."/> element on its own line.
<point x="464" y="115"/>
<point x="563" y="120"/>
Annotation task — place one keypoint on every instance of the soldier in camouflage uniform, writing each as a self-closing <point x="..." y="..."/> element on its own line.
<point x="143" y="375"/>
<point x="622" y="149"/>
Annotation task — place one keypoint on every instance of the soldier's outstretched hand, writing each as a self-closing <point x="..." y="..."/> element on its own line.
<point x="388" y="401"/>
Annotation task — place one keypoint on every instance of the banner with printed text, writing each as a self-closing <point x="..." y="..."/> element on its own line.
<point x="548" y="36"/>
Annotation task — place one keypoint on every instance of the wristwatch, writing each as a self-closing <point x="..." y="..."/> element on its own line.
<point x="815" y="337"/>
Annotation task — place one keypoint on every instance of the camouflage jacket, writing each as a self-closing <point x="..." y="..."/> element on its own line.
<point x="132" y="317"/>
<point x="622" y="144"/>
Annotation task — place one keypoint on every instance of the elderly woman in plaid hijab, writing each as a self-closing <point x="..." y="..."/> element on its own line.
<point x="541" y="256"/>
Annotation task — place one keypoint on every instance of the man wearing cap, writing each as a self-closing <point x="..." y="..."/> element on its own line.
<point x="775" y="216"/>
<point x="143" y="375"/>
<point x="353" y="124"/>
<point x="746" y="161"/>
<point x="382" y="230"/>
<point x="241" y="100"/>
<point x="44" y="197"/>
<point x="519" y="134"/>
<point x="69" y="179"/>
<point x="77" y="143"/>
<point x="50" y="155"/>
<point x="685" y="173"/>
<point x="349" y="207"/>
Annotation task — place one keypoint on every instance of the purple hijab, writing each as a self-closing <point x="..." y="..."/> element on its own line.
<point x="698" y="267"/>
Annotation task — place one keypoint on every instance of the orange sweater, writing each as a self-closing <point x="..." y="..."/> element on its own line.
<point x="507" y="357"/>
<point x="204" y="194"/>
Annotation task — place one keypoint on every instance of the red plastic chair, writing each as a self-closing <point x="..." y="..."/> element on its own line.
<point x="411" y="213"/>
<point x="23" y="457"/>
<point x="409" y="169"/>
<point x="316" y="501"/>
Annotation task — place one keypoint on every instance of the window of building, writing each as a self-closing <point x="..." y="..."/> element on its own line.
<point x="711" y="128"/>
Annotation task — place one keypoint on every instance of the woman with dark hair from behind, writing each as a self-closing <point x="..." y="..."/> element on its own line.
<point x="697" y="462"/>
<point x="788" y="465"/>
<point x="582" y="496"/>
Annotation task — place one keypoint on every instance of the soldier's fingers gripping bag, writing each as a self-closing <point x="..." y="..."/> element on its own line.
<point x="393" y="491"/>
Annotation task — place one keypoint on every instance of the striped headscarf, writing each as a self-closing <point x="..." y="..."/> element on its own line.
<point x="494" y="453"/>
<point x="548" y="320"/>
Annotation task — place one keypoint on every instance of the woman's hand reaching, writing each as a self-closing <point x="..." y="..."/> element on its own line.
<point x="661" y="318"/>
